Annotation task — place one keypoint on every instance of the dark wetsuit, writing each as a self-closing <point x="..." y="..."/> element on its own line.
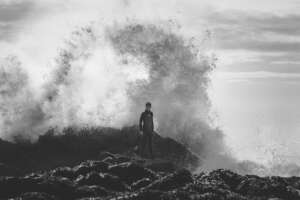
<point x="147" y="126"/>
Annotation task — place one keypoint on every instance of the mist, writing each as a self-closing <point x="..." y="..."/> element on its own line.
<point x="95" y="64"/>
<point x="98" y="72"/>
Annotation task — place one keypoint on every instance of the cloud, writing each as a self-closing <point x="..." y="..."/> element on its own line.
<point x="12" y="15"/>
<point x="15" y="10"/>
<point x="260" y="45"/>
<point x="257" y="22"/>
<point x="257" y="75"/>
<point x="263" y="32"/>
<point x="272" y="40"/>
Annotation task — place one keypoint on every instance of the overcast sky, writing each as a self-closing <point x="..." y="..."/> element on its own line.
<point x="255" y="89"/>
<point x="248" y="35"/>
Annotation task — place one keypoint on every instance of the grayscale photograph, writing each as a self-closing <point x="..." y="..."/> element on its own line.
<point x="149" y="100"/>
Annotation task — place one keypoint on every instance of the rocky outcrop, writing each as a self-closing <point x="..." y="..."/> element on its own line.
<point x="130" y="178"/>
<point x="71" y="146"/>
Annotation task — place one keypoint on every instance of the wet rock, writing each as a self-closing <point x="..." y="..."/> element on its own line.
<point x="58" y="186"/>
<point x="172" y="181"/>
<point x="12" y="186"/>
<point x="141" y="183"/>
<point x="36" y="196"/>
<point x="161" y="166"/>
<point x="99" y="166"/>
<point x="268" y="187"/>
<point x="91" y="165"/>
<point x="142" y="195"/>
<point x="6" y="170"/>
<point x="224" y="178"/>
<point x="103" y="155"/>
<point x="100" y="180"/>
<point x="122" y="159"/>
<point x="131" y="172"/>
<point x="66" y="172"/>
<point x="91" y="191"/>
<point x="81" y="169"/>
<point x="109" y="160"/>
<point x="107" y="181"/>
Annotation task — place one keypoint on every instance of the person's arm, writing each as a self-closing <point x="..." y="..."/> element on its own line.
<point x="141" y="122"/>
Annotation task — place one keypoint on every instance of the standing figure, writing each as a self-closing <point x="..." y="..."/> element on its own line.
<point x="146" y="129"/>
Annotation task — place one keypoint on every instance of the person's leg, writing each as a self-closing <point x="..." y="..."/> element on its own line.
<point x="150" y="145"/>
<point x="148" y="136"/>
<point x="142" y="145"/>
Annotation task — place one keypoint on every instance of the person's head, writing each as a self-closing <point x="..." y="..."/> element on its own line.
<point x="148" y="106"/>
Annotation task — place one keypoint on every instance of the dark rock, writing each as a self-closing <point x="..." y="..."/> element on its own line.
<point x="103" y="155"/>
<point x="6" y="170"/>
<point x="107" y="181"/>
<point x="36" y="196"/>
<point x="225" y="177"/>
<point x="161" y="166"/>
<point x="12" y="186"/>
<point x="130" y="172"/>
<point x="91" y="165"/>
<point x="109" y="160"/>
<point x="268" y="187"/>
<point x="122" y="159"/>
<point x="58" y="186"/>
<point x="172" y="181"/>
<point x="81" y="169"/>
<point x="142" y="195"/>
<point x="66" y="172"/>
<point x="141" y="183"/>
<point x="91" y="191"/>
<point x="99" y="166"/>
<point x="100" y="180"/>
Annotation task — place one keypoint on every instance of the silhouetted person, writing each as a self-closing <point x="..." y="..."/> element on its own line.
<point x="147" y="128"/>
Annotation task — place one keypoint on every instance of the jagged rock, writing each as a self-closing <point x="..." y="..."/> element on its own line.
<point x="268" y="187"/>
<point x="99" y="166"/>
<point x="81" y="169"/>
<point x="12" y="186"/>
<point x="66" y="172"/>
<point x="107" y="181"/>
<point x="224" y="178"/>
<point x="142" y="195"/>
<point x="58" y="186"/>
<point x="172" y="181"/>
<point x="109" y="160"/>
<point x="100" y="180"/>
<point x="161" y="166"/>
<point x="130" y="172"/>
<point x="36" y="196"/>
<point x="141" y="183"/>
<point x="103" y="155"/>
<point x="122" y="159"/>
<point x="91" y="191"/>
